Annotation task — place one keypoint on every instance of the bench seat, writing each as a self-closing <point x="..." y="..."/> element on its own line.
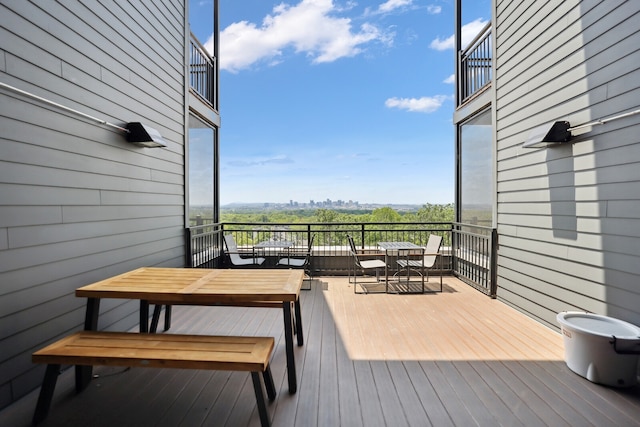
<point x="89" y="348"/>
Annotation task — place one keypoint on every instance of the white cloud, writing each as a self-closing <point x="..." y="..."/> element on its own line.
<point x="310" y="27"/>
<point x="450" y="80"/>
<point x="432" y="9"/>
<point x="425" y="104"/>
<point x="469" y="31"/>
<point x="390" y="5"/>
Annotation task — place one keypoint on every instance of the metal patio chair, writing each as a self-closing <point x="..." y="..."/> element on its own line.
<point x="363" y="265"/>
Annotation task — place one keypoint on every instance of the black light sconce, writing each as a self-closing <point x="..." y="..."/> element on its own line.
<point x="558" y="133"/>
<point x="136" y="132"/>
<point x="143" y="135"/>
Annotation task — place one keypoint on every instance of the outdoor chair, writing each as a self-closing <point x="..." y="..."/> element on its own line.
<point x="299" y="258"/>
<point x="363" y="265"/>
<point x="426" y="262"/>
<point x="236" y="257"/>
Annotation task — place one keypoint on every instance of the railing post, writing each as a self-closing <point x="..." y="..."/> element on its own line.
<point x="362" y="234"/>
<point x="494" y="263"/>
<point x="188" y="255"/>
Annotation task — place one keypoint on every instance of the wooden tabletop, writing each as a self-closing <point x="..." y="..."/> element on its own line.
<point x="199" y="286"/>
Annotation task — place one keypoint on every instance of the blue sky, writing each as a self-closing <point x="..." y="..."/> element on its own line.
<point x="349" y="100"/>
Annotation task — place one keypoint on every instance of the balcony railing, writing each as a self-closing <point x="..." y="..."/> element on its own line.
<point x="203" y="75"/>
<point x="468" y="251"/>
<point x="476" y="63"/>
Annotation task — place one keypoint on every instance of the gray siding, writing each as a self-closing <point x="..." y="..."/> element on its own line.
<point x="77" y="202"/>
<point x="569" y="217"/>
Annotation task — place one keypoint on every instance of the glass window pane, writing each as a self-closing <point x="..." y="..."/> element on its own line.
<point x="476" y="170"/>
<point x="201" y="170"/>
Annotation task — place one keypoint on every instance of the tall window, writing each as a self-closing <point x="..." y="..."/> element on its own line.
<point x="476" y="170"/>
<point x="202" y="171"/>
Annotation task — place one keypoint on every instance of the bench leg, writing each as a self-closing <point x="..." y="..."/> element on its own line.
<point x="46" y="393"/>
<point x="155" y="318"/>
<point x="144" y="316"/>
<point x="167" y="317"/>
<point x="268" y="384"/>
<point x="262" y="403"/>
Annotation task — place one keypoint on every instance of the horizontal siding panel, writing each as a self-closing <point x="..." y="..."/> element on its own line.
<point x="131" y="198"/>
<point x="46" y="234"/>
<point x="580" y="278"/>
<point x="15" y="259"/>
<point x="580" y="209"/>
<point x="29" y="195"/>
<point x="619" y="252"/>
<point x="597" y="226"/>
<point x="95" y="266"/>
<point x="72" y="214"/>
<point x="14" y="45"/>
<point x="18" y="216"/>
<point x="32" y="175"/>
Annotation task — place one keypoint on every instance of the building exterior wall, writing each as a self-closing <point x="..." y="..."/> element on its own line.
<point x="568" y="216"/>
<point x="77" y="202"/>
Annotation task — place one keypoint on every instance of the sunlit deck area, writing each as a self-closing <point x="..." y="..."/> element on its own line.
<point x="456" y="358"/>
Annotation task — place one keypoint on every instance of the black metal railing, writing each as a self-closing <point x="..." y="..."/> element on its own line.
<point x="204" y="246"/>
<point x="476" y="63"/>
<point x="468" y="251"/>
<point x="203" y="75"/>
<point x="331" y="253"/>
<point x="474" y="256"/>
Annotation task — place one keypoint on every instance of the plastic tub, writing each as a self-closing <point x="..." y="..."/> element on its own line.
<point x="602" y="349"/>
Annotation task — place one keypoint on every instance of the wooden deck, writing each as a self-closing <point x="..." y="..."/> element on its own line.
<point x="455" y="358"/>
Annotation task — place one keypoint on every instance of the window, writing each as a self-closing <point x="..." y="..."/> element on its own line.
<point x="475" y="169"/>
<point x="202" y="172"/>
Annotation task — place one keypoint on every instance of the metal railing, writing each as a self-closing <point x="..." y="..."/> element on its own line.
<point x="476" y="65"/>
<point x="474" y="256"/>
<point x="203" y="75"/>
<point x="468" y="251"/>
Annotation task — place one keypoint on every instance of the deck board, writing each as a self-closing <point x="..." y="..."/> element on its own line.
<point x="455" y="358"/>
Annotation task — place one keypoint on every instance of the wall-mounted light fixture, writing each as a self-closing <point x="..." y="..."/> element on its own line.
<point x="557" y="133"/>
<point x="143" y="135"/>
<point x="136" y="132"/>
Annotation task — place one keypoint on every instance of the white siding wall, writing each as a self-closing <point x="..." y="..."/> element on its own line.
<point x="77" y="202"/>
<point x="569" y="217"/>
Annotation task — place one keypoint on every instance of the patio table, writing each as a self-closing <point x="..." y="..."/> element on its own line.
<point x="400" y="249"/>
<point x="198" y="286"/>
<point x="270" y="245"/>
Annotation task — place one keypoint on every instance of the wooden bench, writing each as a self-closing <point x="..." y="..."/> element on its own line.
<point x="89" y="348"/>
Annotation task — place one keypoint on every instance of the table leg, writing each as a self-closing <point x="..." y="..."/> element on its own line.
<point x="84" y="373"/>
<point x="386" y="271"/>
<point x="288" y="338"/>
<point x="298" y="322"/>
<point x="144" y="316"/>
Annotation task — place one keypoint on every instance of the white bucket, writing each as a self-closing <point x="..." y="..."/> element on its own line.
<point x="602" y="349"/>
